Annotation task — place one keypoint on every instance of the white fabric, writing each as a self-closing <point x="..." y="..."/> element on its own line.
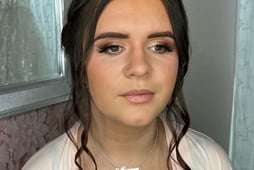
<point x="198" y="150"/>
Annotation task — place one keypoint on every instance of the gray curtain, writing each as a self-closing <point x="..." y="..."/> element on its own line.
<point x="242" y="134"/>
<point x="28" y="37"/>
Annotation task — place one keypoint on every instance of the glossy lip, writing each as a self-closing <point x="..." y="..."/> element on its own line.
<point x="138" y="96"/>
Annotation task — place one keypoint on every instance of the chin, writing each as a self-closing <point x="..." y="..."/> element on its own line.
<point x="140" y="120"/>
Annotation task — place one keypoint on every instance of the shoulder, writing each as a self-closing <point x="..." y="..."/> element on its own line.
<point x="200" y="151"/>
<point x="57" y="155"/>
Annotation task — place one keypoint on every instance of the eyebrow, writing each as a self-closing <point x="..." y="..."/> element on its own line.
<point x="111" y="35"/>
<point x="161" y="34"/>
<point x="126" y="36"/>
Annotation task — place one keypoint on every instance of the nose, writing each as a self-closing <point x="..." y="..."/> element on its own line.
<point x="138" y="64"/>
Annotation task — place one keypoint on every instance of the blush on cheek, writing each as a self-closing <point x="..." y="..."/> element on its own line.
<point x="100" y="75"/>
<point x="94" y="67"/>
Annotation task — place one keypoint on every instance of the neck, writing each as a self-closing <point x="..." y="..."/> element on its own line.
<point x="123" y="145"/>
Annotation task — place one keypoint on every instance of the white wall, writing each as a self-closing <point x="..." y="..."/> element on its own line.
<point x="209" y="83"/>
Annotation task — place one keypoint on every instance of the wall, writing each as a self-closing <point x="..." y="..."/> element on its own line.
<point x="21" y="135"/>
<point x="209" y="83"/>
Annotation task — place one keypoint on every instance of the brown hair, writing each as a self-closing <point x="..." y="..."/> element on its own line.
<point x="77" y="40"/>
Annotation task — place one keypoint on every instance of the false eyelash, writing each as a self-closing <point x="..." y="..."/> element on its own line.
<point x="166" y="47"/>
<point x="105" y="47"/>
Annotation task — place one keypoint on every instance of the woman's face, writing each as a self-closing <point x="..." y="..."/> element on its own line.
<point x="133" y="65"/>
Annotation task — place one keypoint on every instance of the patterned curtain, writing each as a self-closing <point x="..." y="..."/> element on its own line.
<point x="28" y="42"/>
<point x="242" y="134"/>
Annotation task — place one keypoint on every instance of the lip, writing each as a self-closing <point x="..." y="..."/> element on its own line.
<point x="138" y="96"/>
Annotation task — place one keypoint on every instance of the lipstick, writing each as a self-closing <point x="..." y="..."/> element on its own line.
<point x="138" y="96"/>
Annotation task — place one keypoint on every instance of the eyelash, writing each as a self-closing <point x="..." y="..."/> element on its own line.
<point x="166" y="48"/>
<point x="105" y="49"/>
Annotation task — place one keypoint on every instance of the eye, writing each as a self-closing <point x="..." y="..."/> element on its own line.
<point x="161" y="48"/>
<point x="110" y="49"/>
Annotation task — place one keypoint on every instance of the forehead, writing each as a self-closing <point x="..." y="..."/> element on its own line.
<point x="140" y="14"/>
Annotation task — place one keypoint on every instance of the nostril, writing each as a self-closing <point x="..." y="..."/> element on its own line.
<point x="137" y="69"/>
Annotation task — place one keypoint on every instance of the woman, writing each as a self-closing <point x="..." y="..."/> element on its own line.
<point x="128" y="60"/>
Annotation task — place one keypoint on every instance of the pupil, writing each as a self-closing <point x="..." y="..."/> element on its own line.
<point x="114" y="49"/>
<point x="158" y="48"/>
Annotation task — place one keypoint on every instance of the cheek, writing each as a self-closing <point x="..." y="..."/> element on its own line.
<point x="100" y="75"/>
<point x="173" y="71"/>
<point x="94" y="74"/>
<point x="169" y="69"/>
<point x="168" y="75"/>
<point x="94" y="67"/>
